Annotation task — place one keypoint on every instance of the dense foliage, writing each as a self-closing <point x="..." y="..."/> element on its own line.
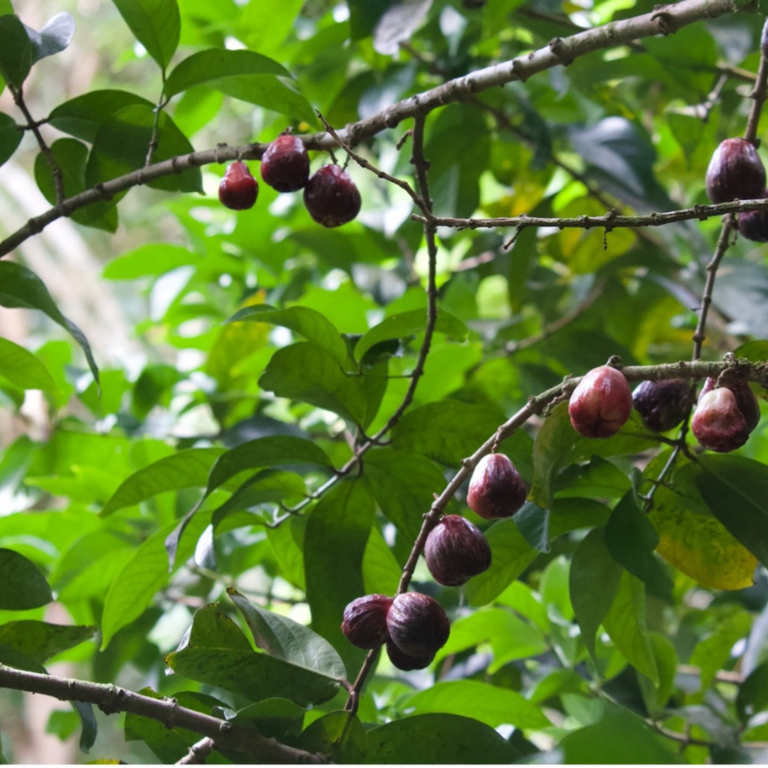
<point x="220" y="426"/>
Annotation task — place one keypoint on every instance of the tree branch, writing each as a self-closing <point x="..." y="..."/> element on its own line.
<point x="111" y="699"/>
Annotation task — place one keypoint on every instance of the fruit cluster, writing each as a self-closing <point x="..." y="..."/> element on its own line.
<point x="725" y="414"/>
<point x="330" y="195"/>
<point x="414" y="626"/>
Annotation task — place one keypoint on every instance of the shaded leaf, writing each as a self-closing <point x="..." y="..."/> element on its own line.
<point x="10" y="137"/>
<point x="17" y="54"/>
<point x="40" y="640"/>
<point x="22" y="583"/>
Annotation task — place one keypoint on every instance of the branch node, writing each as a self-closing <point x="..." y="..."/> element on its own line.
<point x="557" y="46"/>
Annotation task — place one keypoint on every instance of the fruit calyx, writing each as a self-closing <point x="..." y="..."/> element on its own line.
<point x="718" y="424"/>
<point x="601" y="403"/>
<point x="285" y="164"/>
<point x="496" y="488"/>
<point x="663" y="404"/>
<point x="455" y="551"/>
<point x="331" y="197"/>
<point x="238" y="189"/>
<point x="735" y="172"/>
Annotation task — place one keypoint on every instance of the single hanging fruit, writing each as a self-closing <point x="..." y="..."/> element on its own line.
<point x="746" y="401"/>
<point x="238" y="189"/>
<point x="496" y="488"/>
<point x="331" y="197"/>
<point x="456" y="550"/>
<point x="417" y="625"/>
<point x="662" y="404"/>
<point x="718" y="424"/>
<point x="365" y="621"/>
<point x="735" y="172"/>
<point x="601" y="403"/>
<point x="285" y="164"/>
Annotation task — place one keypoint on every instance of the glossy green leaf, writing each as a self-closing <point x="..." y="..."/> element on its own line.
<point x="17" y="53"/>
<point x="156" y="24"/>
<point x="22" y="583"/>
<point x="20" y="287"/>
<point x="733" y="487"/>
<point x="39" y="640"/>
<point x="409" y="324"/>
<point x="341" y="522"/>
<point x="185" y="469"/>
<point x="264" y="27"/>
<point x="309" y="323"/>
<point x="631" y="540"/>
<point x="288" y="640"/>
<point x="308" y="373"/>
<point x="10" y="137"/>
<point x="626" y="625"/>
<point x="122" y="142"/>
<point x="22" y="368"/>
<point x="438" y="738"/>
<point x="593" y="583"/>
<point x="340" y="736"/>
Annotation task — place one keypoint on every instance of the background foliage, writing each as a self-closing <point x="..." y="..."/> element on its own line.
<point x="184" y="528"/>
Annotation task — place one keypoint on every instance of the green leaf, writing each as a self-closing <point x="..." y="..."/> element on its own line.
<point x="511" y="554"/>
<point x="23" y="369"/>
<point x="340" y="523"/>
<point x="593" y="583"/>
<point x="84" y="115"/>
<point x="39" y="640"/>
<point x="72" y="156"/>
<point x="263" y="27"/>
<point x="618" y="737"/>
<point x="558" y="444"/>
<point x="10" y="137"/>
<point x="409" y="324"/>
<point x="54" y="37"/>
<point x="288" y="640"/>
<point x="733" y="487"/>
<point x="309" y="323"/>
<point x="22" y="583"/>
<point x="143" y="576"/>
<point x="713" y="652"/>
<point x="438" y="738"/>
<point x="489" y="704"/>
<point x="276" y="718"/>
<point x="631" y="540"/>
<point x="20" y="287"/>
<point x="185" y="469"/>
<point x="244" y="75"/>
<point x="17" y="54"/>
<point x="121" y="146"/>
<point x="656" y="698"/>
<point x="753" y="693"/>
<point x="381" y="571"/>
<point x="156" y="24"/>
<point x="626" y="625"/>
<point x="308" y="373"/>
<point x="340" y="736"/>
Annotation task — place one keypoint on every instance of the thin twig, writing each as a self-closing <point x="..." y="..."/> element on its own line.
<point x="198" y="752"/>
<point x="759" y="91"/>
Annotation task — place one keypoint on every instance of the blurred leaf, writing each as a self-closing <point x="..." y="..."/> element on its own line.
<point x="22" y="368"/>
<point x="753" y="693"/>
<point x="656" y="698"/>
<point x="156" y="25"/>
<point x="17" y="54"/>
<point x="22" y="583"/>
<point x="40" y="640"/>
<point x="712" y="653"/>
<point x="10" y="137"/>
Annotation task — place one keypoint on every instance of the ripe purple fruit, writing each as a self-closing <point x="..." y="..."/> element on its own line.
<point x="496" y="488"/>
<point x="455" y="551"/>
<point x="365" y="621"/>
<point x="735" y="172"/>
<point x="718" y="424"/>
<point x="404" y="661"/>
<point x="285" y="164"/>
<point x="331" y="197"/>
<point x="601" y="403"/>
<point x="662" y="404"/>
<point x="753" y="225"/>
<point x="238" y="189"/>
<point x="417" y="625"/>
<point x="746" y="401"/>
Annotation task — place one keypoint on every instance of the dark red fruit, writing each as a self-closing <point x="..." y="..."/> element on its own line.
<point x="417" y="625"/>
<point x="601" y="403"/>
<point x="735" y="172"/>
<point x="285" y="164"/>
<point x="331" y="197"/>
<point x="663" y="404"/>
<point x="496" y="488"/>
<point x="404" y="661"/>
<point x="365" y="621"/>
<point x="753" y="225"/>
<point x="456" y="551"/>
<point x="238" y="189"/>
<point x="746" y="401"/>
<point x="718" y="424"/>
